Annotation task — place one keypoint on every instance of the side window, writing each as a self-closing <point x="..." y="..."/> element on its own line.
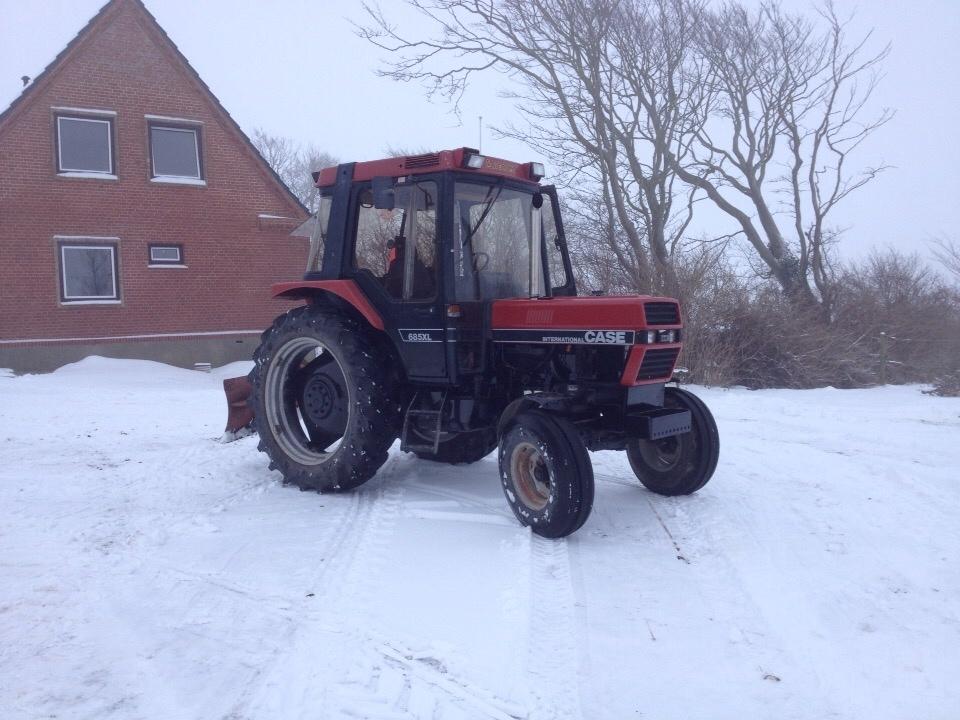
<point x="165" y="255"/>
<point x="318" y="233"/>
<point x="175" y="153"/>
<point x="398" y="246"/>
<point x="88" y="271"/>
<point x="85" y="145"/>
<point x="558" y="273"/>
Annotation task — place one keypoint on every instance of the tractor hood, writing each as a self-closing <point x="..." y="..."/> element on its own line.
<point x="607" y="319"/>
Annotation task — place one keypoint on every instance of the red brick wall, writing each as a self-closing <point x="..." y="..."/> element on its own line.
<point x="122" y="64"/>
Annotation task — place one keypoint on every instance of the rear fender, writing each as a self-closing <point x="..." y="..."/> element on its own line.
<point x="346" y="297"/>
<point x="338" y="293"/>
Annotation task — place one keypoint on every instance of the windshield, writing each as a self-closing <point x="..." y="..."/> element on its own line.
<point x="492" y="238"/>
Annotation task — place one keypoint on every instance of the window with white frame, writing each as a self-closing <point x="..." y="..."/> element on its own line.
<point x="166" y="254"/>
<point x="88" y="270"/>
<point x="84" y="144"/>
<point x="175" y="152"/>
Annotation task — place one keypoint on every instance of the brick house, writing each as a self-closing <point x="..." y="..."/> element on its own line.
<point x="136" y="218"/>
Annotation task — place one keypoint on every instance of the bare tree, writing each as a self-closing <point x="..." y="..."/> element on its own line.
<point x="784" y="93"/>
<point x="294" y="163"/>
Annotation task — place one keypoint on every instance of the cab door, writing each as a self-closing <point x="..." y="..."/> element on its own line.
<point x="397" y="266"/>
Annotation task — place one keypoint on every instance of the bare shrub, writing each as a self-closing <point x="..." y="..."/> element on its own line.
<point x="946" y="385"/>
<point x="906" y="313"/>
<point x="711" y="293"/>
<point x="947" y="251"/>
<point x="740" y="331"/>
<point x="896" y="321"/>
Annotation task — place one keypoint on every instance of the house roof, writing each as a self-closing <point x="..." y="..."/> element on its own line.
<point x="106" y="10"/>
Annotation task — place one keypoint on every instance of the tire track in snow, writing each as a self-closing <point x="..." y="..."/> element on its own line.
<point x="332" y="665"/>
<point x="394" y="683"/>
<point x="172" y="478"/>
<point x="489" y="512"/>
<point x="291" y="662"/>
<point x="553" y="658"/>
<point x="380" y="679"/>
<point x="680" y="554"/>
<point x="264" y="627"/>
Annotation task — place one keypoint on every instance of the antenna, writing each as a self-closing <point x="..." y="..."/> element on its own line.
<point x="480" y="133"/>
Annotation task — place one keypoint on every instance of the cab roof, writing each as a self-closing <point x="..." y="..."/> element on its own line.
<point x="430" y="163"/>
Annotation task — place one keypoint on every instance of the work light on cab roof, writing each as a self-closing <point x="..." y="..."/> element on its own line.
<point x="439" y="307"/>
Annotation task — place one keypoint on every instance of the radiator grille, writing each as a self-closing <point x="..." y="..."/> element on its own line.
<point x="419" y="161"/>
<point x="657" y="363"/>
<point x="662" y="313"/>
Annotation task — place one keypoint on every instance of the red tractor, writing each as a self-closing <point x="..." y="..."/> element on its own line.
<point x="440" y="308"/>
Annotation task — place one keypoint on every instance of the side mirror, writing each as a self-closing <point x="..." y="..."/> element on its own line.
<point x="383" y="195"/>
<point x="538" y="200"/>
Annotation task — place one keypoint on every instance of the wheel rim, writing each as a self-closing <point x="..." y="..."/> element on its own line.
<point x="661" y="455"/>
<point x="307" y="400"/>
<point x="531" y="478"/>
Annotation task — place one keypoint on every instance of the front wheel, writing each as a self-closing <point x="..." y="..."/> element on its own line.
<point x="546" y="473"/>
<point x="680" y="464"/>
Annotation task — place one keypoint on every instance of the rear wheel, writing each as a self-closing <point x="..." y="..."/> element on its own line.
<point x="546" y="473"/>
<point x="680" y="464"/>
<point x="324" y="404"/>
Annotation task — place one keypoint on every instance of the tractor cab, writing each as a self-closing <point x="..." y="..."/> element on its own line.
<point x="499" y="227"/>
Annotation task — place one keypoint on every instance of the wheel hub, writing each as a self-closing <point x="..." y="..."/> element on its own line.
<point x="531" y="476"/>
<point x="661" y="454"/>
<point x="320" y="395"/>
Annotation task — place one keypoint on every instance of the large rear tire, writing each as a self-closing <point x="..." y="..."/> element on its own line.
<point x="325" y="404"/>
<point x="546" y="473"/>
<point x="681" y="464"/>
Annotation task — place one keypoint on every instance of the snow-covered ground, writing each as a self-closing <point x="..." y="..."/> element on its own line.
<point x="147" y="571"/>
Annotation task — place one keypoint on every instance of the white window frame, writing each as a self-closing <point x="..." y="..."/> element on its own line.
<point x="89" y="243"/>
<point x="185" y="179"/>
<point x="160" y="263"/>
<point x="108" y="121"/>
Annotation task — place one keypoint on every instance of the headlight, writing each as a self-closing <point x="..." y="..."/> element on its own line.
<point x="648" y="337"/>
<point x="475" y="162"/>
<point x="668" y="336"/>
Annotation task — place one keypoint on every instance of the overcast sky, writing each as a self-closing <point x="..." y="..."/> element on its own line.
<point x="295" y="68"/>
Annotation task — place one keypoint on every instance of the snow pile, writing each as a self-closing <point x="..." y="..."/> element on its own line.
<point x="150" y="572"/>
